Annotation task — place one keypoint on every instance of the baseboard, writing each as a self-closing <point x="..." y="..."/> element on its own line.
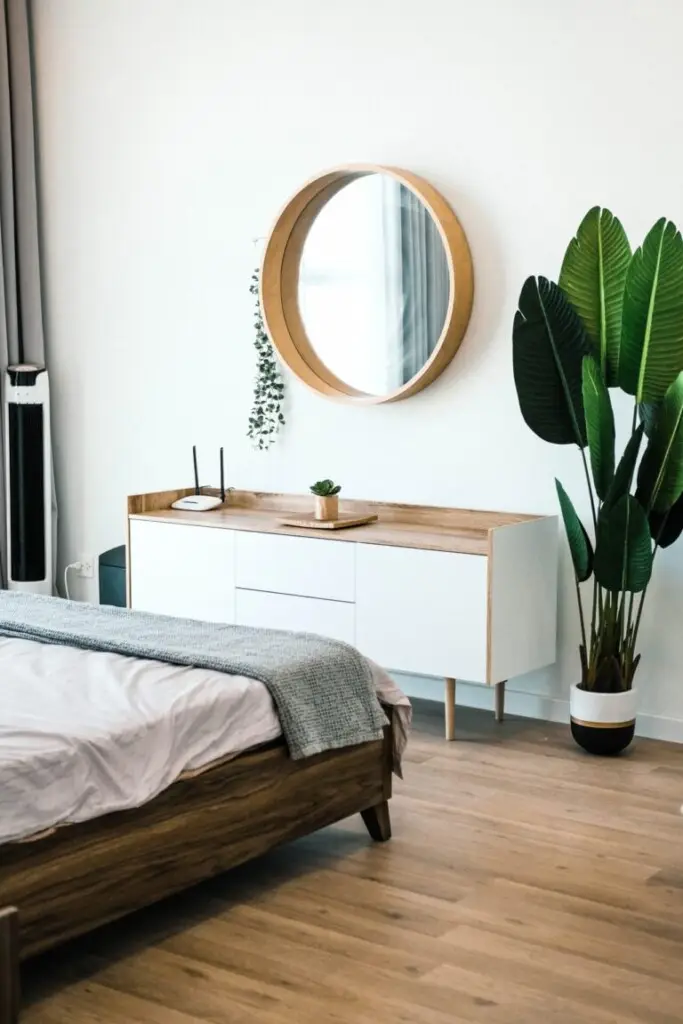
<point x="530" y="705"/>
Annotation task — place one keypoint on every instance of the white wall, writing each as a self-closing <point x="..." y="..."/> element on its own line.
<point x="170" y="134"/>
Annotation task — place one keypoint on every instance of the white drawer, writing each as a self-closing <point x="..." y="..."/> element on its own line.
<point x="295" y="565"/>
<point x="301" y="614"/>
<point x="182" y="570"/>
<point x="422" y="611"/>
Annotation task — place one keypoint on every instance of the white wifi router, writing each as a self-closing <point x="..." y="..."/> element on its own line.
<point x="198" y="502"/>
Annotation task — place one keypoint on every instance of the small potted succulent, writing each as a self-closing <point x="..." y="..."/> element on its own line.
<point x="326" y="500"/>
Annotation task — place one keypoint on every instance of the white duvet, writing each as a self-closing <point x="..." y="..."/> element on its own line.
<point x="84" y="733"/>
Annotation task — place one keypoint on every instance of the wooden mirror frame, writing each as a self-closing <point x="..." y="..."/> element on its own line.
<point x="280" y="283"/>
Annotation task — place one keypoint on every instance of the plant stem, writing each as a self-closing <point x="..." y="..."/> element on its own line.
<point x="602" y="602"/>
<point x="590" y="491"/>
<point x="594" y="613"/>
<point x="642" y="596"/>
<point x="630" y="613"/>
<point x="637" y="623"/>
<point x="597" y="601"/>
<point x="625" y="616"/>
<point x="640" y="605"/>
<point x="583" y="623"/>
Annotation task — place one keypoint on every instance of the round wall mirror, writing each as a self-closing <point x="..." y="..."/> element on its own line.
<point x="366" y="284"/>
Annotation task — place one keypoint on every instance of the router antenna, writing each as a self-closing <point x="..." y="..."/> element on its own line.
<point x="196" y="471"/>
<point x="222" y="478"/>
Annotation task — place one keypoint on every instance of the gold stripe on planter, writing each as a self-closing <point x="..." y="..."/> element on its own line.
<point x="602" y="725"/>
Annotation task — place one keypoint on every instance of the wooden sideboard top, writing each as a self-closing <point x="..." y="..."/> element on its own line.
<point x="413" y="526"/>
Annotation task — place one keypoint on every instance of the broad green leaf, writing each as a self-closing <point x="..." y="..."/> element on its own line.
<point x="599" y="425"/>
<point x="548" y="346"/>
<point x="623" y="476"/>
<point x="592" y="277"/>
<point x="652" y="319"/>
<point x="580" y="546"/>
<point x="666" y="527"/>
<point x="649" y="414"/>
<point x="660" y="477"/>
<point x="623" y="552"/>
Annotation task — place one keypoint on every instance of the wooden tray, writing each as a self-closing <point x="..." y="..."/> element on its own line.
<point x="309" y="522"/>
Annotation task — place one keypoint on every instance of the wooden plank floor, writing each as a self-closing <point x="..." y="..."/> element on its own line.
<point x="526" y="882"/>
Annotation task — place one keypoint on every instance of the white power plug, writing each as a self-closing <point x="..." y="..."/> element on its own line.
<point x="85" y="567"/>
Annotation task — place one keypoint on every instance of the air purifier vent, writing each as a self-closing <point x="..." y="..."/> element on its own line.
<point x="26" y="493"/>
<point x="28" y="479"/>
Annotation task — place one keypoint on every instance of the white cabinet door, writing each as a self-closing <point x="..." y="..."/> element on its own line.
<point x="182" y="570"/>
<point x="295" y="565"/>
<point x="422" y="611"/>
<point x="301" y="614"/>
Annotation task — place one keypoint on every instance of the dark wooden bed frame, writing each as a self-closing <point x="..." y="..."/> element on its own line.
<point x="84" y="875"/>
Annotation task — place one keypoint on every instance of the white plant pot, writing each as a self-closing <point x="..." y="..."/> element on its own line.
<point x="603" y="723"/>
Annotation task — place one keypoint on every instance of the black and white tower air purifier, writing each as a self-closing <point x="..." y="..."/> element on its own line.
<point x="28" y="468"/>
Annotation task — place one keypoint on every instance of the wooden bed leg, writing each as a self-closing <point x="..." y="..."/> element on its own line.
<point x="377" y="822"/>
<point x="9" y="966"/>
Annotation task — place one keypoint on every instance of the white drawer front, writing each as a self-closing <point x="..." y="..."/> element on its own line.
<point x="301" y="614"/>
<point x="422" y="611"/>
<point x="182" y="570"/>
<point x="295" y="565"/>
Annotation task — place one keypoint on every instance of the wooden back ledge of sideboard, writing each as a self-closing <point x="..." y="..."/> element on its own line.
<point x="424" y="526"/>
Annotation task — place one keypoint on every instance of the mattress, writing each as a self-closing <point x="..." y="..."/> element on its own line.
<point x="84" y="733"/>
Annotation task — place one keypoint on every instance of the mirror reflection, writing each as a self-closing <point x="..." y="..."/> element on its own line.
<point x="374" y="285"/>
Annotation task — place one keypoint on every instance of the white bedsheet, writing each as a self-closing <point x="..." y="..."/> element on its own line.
<point x="84" y="733"/>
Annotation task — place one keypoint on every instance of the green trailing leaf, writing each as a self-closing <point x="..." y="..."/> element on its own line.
<point x="599" y="425"/>
<point x="580" y="546"/>
<point x="623" y="552"/>
<point x="652" y="320"/>
<point x="592" y="277"/>
<point x="548" y="346"/>
<point x="666" y="527"/>
<point x="266" y="416"/>
<point x="660" y="478"/>
<point x="623" y="476"/>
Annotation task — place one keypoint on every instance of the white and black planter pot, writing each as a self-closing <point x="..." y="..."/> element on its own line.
<point x="603" y="723"/>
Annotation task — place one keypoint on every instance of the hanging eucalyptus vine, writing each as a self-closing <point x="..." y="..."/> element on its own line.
<point x="266" y="416"/>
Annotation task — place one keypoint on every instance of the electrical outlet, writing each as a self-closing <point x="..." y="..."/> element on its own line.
<point x="87" y="567"/>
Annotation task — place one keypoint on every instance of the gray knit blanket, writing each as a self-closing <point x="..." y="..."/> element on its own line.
<point x="322" y="689"/>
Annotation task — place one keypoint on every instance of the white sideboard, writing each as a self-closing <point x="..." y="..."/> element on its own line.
<point x="441" y="592"/>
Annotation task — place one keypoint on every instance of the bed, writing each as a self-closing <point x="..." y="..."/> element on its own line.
<point x="62" y="877"/>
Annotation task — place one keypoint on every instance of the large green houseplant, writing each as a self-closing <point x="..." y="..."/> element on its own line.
<point x="614" y="320"/>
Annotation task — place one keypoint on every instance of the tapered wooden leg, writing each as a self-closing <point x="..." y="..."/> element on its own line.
<point x="377" y="822"/>
<point x="450" y="709"/>
<point x="9" y="966"/>
<point x="499" y="701"/>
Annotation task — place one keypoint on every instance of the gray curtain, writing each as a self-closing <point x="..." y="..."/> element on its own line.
<point x="426" y="286"/>
<point x="21" y="314"/>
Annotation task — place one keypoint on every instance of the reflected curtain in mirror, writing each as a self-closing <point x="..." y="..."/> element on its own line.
<point x="425" y="284"/>
<point x="417" y="280"/>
